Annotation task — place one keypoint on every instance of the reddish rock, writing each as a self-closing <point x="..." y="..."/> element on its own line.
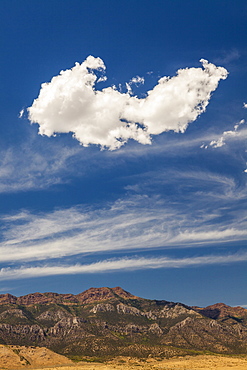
<point x="221" y="310"/>
<point x="7" y="299"/>
<point x="95" y="294"/>
<point x="123" y="294"/>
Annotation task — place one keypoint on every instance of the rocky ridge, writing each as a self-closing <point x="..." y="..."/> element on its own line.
<point x="111" y="321"/>
<point x="221" y="311"/>
<point x="86" y="297"/>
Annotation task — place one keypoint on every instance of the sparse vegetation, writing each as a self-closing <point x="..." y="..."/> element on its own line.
<point x="121" y="325"/>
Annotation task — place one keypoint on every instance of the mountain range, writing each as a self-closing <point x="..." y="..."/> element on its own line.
<point x="101" y="322"/>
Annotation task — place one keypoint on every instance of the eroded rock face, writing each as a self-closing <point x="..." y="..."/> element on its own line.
<point x="12" y="313"/>
<point x="53" y="315"/>
<point x="192" y="332"/>
<point x="103" y="307"/>
<point x="15" y="333"/>
<point x="155" y="329"/>
<point x="176" y="311"/>
<point x="110" y="320"/>
<point x="151" y="315"/>
<point x="122" y="308"/>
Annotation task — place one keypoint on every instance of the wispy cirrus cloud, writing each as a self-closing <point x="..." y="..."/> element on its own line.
<point x="132" y="223"/>
<point x="189" y="184"/>
<point x="108" y="117"/>
<point x="230" y="135"/>
<point x="228" y="57"/>
<point x="122" y="264"/>
<point x="36" y="168"/>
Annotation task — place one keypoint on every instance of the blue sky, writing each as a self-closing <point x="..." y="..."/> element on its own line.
<point x="128" y="168"/>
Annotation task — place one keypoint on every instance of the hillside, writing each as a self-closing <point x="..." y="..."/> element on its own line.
<point x="103" y="322"/>
<point x="21" y="356"/>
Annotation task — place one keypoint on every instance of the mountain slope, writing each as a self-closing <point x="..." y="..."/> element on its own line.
<point x="111" y="321"/>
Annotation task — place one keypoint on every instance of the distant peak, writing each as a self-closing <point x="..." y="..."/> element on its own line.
<point x="104" y="293"/>
<point x="123" y="293"/>
<point x="221" y="310"/>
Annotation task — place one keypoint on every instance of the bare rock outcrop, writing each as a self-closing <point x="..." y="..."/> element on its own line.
<point x="107" y="321"/>
<point x="103" y="307"/>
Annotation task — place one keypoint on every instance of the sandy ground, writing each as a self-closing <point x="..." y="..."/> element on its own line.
<point x="205" y="362"/>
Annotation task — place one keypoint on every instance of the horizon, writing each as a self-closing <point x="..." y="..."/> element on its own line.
<point x="123" y="148"/>
<point x="106" y="287"/>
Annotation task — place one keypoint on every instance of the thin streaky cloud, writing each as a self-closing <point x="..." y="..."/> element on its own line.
<point x="123" y="264"/>
<point x="230" y="135"/>
<point x="47" y="167"/>
<point x="181" y="146"/>
<point x="55" y="164"/>
<point x="131" y="223"/>
<point x="228" y="57"/>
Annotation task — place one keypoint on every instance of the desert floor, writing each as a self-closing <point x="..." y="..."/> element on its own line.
<point x="204" y="362"/>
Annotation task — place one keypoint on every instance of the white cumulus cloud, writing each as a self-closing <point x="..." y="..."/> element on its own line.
<point x="108" y="117"/>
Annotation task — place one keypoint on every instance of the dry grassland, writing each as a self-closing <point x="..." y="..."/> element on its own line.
<point x="202" y="362"/>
